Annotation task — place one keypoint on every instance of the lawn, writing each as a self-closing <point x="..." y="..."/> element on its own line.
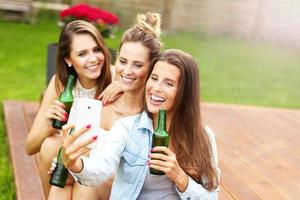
<point x="232" y="71"/>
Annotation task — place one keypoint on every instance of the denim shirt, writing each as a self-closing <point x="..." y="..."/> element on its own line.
<point x="126" y="150"/>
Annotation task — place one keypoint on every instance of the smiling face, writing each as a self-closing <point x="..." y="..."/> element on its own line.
<point x="87" y="59"/>
<point x="162" y="87"/>
<point x="132" y="66"/>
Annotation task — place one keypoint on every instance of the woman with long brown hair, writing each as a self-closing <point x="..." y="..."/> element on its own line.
<point x="81" y="51"/>
<point x="189" y="162"/>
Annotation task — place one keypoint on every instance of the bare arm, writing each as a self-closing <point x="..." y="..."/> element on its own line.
<point x="42" y="125"/>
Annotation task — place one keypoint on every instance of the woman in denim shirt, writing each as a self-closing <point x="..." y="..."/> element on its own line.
<point x="190" y="161"/>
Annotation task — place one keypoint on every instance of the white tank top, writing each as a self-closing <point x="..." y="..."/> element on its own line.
<point x="79" y="91"/>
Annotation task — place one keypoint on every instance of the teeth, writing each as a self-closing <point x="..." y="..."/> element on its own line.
<point x="91" y="67"/>
<point x="127" y="79"/>
<point x="157" y="98"/>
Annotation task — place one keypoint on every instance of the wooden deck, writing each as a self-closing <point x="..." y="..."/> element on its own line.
<point x="258" y="150"/>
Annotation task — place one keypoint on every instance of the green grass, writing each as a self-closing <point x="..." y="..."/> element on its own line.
<point x="232" y="71"/>
<point x="235" y="71"/>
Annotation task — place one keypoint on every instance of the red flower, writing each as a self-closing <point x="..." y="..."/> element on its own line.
<point x="91" y="14"/>
<point x="106" y="16"/>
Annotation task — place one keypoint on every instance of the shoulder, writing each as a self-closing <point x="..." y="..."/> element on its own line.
<point x="140" y="121"/>
<point x="129" y="121"/>
<point x="52" y="84"/>
<point x="51" y="93"/>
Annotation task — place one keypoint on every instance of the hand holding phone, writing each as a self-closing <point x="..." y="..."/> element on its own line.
<point x="86" y="111"/>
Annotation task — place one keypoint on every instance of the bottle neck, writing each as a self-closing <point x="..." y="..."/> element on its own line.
<point x="161" y="120"/>
<point x="70" y="83"/>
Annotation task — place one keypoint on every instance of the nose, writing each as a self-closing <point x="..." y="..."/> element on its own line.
<point x="93" y="58"/>
<point x="127" y="70"/>
<point x="156" y="86"/>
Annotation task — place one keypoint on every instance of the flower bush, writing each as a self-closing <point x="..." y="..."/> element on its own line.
<point x="105" y="21"/>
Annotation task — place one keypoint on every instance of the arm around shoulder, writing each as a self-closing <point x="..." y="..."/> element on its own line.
<point x="41" y="127"/>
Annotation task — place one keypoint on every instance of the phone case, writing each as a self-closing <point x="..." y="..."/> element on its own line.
<point x="83" y="112"/>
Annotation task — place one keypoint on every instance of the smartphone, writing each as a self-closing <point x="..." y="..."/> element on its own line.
<point x="83" y="112"/>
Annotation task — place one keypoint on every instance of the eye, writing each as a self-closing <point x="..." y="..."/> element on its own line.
<point x="170" y="84"/>
<point x="97" y="50"/>
<point x="153" y="78"/>
<point x="138" y="65"/>
<point x="123" y="62"/>
<point x="82" y="54"/>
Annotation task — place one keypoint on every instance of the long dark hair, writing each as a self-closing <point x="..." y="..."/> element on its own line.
<point x="190" y="142"/>
<point x="64" y="49"/>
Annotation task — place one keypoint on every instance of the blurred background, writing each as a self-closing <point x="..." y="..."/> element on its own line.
<point x="247" y="50"/>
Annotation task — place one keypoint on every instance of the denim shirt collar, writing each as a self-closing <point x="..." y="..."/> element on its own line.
<point x="145" y="122"/>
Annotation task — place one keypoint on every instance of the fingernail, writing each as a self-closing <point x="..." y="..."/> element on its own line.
<point x="88" y="126"/>
<point x="148" y="155"/>
<point x="151" y="150"/>
<point x="65" y="119"/>
<point x="66" y="114"/>
<point x="95" y="137"/>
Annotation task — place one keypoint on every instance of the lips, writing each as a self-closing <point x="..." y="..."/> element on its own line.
<point x="156" y="100"/>
<point x="127" y="79"/>
<point x="92" y="68"/>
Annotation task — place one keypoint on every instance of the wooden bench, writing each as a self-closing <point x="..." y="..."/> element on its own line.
<point x="17" y="10"/>
<point x="258" y="150"/>
<point x="18" y="120"/>
<point x="38" y="5"/>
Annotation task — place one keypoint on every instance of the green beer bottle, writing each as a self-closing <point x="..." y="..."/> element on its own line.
<point x="60" y="174"/>
<point x="66" y="97"/>
<point x="160" y="137"/>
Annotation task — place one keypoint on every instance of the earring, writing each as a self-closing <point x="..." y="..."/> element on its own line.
<point x="70" y="65"/>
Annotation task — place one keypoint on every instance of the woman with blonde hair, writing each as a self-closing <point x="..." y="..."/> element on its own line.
<point x="139" y="45"/>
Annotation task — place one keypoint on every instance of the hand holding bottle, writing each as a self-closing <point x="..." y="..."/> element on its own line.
<point x="56" y="112"/>
<point x="70" y="179"/>
<point x="163" y="159"/>
<point x="71" y="150"/>
<point x="66" y="98"/>
<point x="160" y="137"/>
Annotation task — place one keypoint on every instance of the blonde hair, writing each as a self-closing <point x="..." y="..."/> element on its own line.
<point x="147" y="31"/>
<point x="150" y="22"/>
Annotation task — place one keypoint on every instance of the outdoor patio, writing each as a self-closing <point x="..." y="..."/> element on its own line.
<point x="258" y="150"/>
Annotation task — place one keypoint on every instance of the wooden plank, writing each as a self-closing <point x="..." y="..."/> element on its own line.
<point x="242" y="147"/>
<point x="49" y="5"/>
<point x="26" y="176"/>
<point x="235" y="186"/>
<point x="30" y="109"/>
<point x="20" y="6"/>
<point x="262" y="152"/>
<point x="224" y="195"/>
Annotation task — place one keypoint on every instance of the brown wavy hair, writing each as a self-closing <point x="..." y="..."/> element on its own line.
<point x="64" y="48"/>
<point x="191" y="143"/>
